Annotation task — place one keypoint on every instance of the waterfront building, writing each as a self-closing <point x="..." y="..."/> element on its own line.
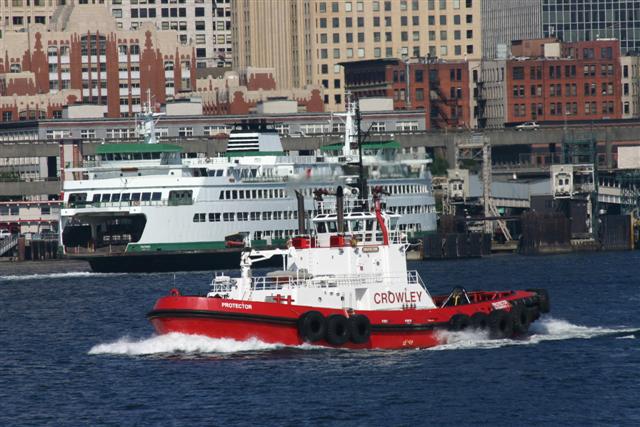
<point x="442" y="89"/>
<point x="491" y="94"/>
<point x="585" y="20"/>
<point x="548" y="80"/>
<point x="306" y="41"/>
<point x="630" y="66"/>
<point x="507" y="20"/>
<point x="185" y="121"/>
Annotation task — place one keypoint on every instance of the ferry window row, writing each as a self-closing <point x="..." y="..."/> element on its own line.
<point x="418" y="209"/>
<point x="406" y="189"/>
<point x="126" y="197"/>
<point x="175" y="198"/>
<point x="276" y="193"/>
<point x="130" y="156"/>
<point x="246" y="216"/>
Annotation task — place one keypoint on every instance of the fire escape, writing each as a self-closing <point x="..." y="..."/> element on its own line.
<point x="443" y="109"/>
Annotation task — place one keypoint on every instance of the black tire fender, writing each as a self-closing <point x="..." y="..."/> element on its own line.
<point x="312" y="326"/>
<point x="459" y="322"/>
<point x="544" y="302"/>
<point x="480" y="321"/>
<point x="500" y="324"/>
<point x="337" y="332"/>
<point x="359" y="328"/>
<point x="520" y="316"/>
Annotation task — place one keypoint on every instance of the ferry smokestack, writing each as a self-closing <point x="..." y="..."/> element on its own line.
<point x="340" y="209"/>
<point x="300" y="198"/>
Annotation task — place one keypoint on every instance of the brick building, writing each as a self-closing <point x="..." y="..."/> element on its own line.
<point x="240" y="92"/>
<point x="441" y="88"/>
<point x="91" y="62"/>
<point x="547" y="80"/>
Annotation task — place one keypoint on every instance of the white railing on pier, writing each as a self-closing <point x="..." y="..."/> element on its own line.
<point x="7" y="244"/>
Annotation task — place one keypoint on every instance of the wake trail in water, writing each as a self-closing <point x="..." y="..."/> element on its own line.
<point x="546" y="329"/>
<point x="72" y="274"/>
<point x="176" y="343"/>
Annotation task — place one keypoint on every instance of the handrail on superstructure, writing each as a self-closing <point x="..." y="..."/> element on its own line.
<point x="293" y="280"/>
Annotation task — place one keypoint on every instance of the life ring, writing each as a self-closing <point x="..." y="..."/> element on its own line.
<point x="543" y="299"/>
<point x="459" y="322"/>
<point x="312" y="326"/>
<point x="174" y="292"/>
<point x="479" y="321"/>
<point x="521" y="322"/>
<point x="500" y="324"/>
<point x="207" y="160"/>
<point x="359" y="328"/>
<point x="337" y="329"/>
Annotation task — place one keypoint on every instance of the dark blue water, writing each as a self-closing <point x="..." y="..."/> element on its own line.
<point x="77" y="350"/>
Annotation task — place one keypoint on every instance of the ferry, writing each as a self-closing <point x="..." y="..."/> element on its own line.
<point x="344" y="285"/>
<point x="143" y="207"/>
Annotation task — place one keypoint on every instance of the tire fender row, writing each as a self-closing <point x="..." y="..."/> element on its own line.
<point x="502" y="323"/>
<point x="336" y="329"/>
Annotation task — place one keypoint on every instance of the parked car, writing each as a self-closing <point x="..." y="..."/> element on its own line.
<point x="4" y="234"/>
<point x="528" y="126"/>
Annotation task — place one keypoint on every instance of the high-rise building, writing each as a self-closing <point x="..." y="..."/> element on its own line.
<point x="206" y="23"/>
<point x="18" y="15"/>
<point x="507" y="20"/>
<point x="583" y="20"/>
<point x="306" y="40"/>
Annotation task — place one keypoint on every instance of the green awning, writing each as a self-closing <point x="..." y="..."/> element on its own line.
<point x="137" y="148"/>
<point x="332" y="147"/>
<point x="374" y="145"/>
<point x="380" y="144"/>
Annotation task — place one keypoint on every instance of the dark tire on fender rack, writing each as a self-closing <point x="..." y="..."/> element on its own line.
<point x="312" y="326"/>
<point x="479" y="321"/>
<point x="500" y="324"/>
<point x="359" y="328"/>
<point x="459" y="322"/>
<point x="521" y="319"/>
<point x="544" y="303"/>
<point x="337" y="332"/>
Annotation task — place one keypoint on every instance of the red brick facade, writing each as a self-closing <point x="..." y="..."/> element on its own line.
<point x="583" y="83"/>
<point x="441" y="89"/>
<point x="113" y="69"/>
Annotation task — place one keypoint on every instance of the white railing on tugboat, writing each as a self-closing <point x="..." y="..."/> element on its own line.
<point x="327" y="281"/>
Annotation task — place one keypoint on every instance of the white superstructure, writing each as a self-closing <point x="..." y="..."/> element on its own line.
<point x="368" y="267"/>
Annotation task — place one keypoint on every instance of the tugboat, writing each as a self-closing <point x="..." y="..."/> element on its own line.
<point x="345" y="285"/>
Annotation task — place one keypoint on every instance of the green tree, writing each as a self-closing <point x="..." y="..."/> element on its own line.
<point x="439" y="166"/>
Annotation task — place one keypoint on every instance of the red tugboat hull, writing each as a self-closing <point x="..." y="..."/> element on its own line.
<point x="504" y="314"/>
